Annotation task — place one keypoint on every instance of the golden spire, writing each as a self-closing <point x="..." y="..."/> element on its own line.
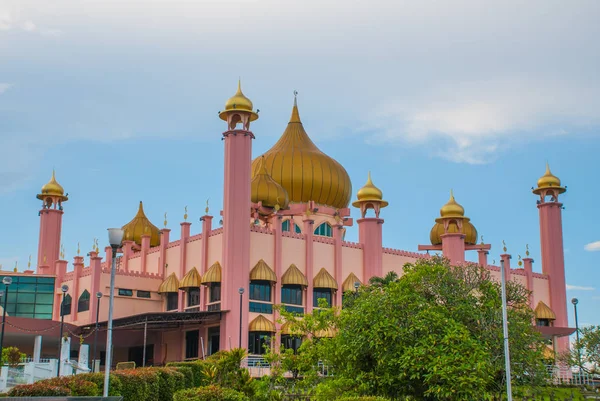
<point x="238" y="102"/>
<point x="295" y="118"/>
<point x="452" y="208"/>
<point x="134" y="230"/>
<point x="165" y="222"/>
<point x="52" y="188"/>
<point x="78" y="250"/>
<point x="504" y="246"/>
<point x="62" y="252"/>
<point x="527" y="250"/>
<point x="29" y="262"/>
<point x="520" y="262"/>
<point x="16" y="269"/>
<point x="185" y="215"/>
<point x="548" y="180"/>
<point x="206" y="209"/>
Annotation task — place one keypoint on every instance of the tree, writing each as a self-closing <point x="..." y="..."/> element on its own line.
<point x="588" y="347"/>
<point x="434" y="334"/>
<point x="11" y="356"/>
<point x="390" y="277"/>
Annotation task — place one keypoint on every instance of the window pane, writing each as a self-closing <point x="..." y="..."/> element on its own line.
<point x="260" y="291"/>
<point x="193" y="296"/>
<point x="46" y="299"/>
<point x="143" y="294"/>
<point x="25" y="308"/>
<point x="172" y="301"/>
<point x="43" y="308"/>
<point x="25" y="298"/>
<point x="125" y="292"/>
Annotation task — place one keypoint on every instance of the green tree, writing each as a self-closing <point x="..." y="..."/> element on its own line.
<point x="11" y="356"/>
<point x="433" y="334"/>
<point x="588" y="347"/>
<point x="390" y="277"/>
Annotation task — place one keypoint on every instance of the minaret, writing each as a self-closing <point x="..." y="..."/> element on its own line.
<point x="236" y="214"/>
<point x="370" y="228"/>
<point x="52" y="197"/>
<point x="551" y="245"/>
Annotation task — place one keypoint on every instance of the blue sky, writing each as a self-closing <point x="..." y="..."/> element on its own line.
<point x="121" y="98"/>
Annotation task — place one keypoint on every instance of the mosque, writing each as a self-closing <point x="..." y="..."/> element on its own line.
<point x="279" y="240"/>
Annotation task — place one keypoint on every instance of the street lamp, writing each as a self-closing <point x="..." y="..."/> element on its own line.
<point x="356" y="285"/>
<point x="98" y="295"/>
<point x="505" y="332"/>
<point x="115" y="237"/>
<point x="64" y="288"/>
<point x="241" y="291"/>
<point x="6" y="281"/>
<point x="575" y="301"/>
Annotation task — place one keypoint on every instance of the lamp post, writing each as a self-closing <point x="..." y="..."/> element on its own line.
<point x="6" y="281"/>
<point x="115" y="237"/>
<point x="64" y="288"/>
<point x="98" y="295"/>
<point x="575" y="301"/>
<point x="241" y="291"/>
<point x="356" y="285"/>
<point x="505" y="332"/>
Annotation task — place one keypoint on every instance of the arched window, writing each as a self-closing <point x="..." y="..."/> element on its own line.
<point x="324" y="230"/>
<point x="287" y="226"/>
<point x="325" y="293"/>
<point x="84" y="302"/>
<point x="66" y="305"/>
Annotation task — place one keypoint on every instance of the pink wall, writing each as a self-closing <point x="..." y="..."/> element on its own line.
<point x="293" y="253"/>
<point x="193" y="255"/>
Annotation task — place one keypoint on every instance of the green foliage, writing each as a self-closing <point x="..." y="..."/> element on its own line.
<point x="139" y="384"/>
<point x="588" y="348"/>
<point x="362" y="398"/>
<point x="197" y="368"/>
<point x="11" y="356"/>
<point x="39" y="389"/>
<point x="210" y="393"/>
<point x="78" y="386"/>
<point x="114" y="388"/>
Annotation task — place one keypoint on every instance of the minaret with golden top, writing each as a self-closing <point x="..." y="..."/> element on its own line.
<point x="236" y="207"/>
<point x="52" y="196"/>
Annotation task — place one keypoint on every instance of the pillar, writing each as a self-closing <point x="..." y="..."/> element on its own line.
<point x="37" y="348"/>
<point x="483" y="256"/>
<point x="337" y="262"/>
<point x="77" y="270"/>
<point x="507" y="273"/>
<point x="204" y="263"/>
<point x="96" y="269"/>
<point x="370" y="236"/>
<point x="453" y="247"/>
<point x="164" y="242"/>
<point x="127" y="248"/>
<point x="309" y="259"/>
<point x="278" y="260"/>
<point x="528" y="267"/>
<point x="144" y="252"/>
<point x="185" y="234"/>
<point x="60" y="266"/>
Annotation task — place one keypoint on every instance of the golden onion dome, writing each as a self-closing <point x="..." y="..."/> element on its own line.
<point x="265" y="189"/>
<point x="52" y="188"/>
<point x="306" y="173"/>
<point x="140" y="225"/>
<point x="369" y="192"/>
<point x="261" y="323"/>
<point x="543" y="311"/>
<point x="467" y="228"/>
<point x="238" y="102"/>
<point x="548" y="180"/>
<point x="452" y="208"/>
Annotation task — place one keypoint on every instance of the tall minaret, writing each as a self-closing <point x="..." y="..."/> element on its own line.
<point x="236" y="219"/>
<point x="551" y="241"/>
<point x="52" y="197"/>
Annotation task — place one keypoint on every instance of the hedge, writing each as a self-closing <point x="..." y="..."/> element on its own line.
<point x="38" y="389"/>
<point x="114" y="388"/>
<point x="361" y="398"/>
<point x="197" y="368"/>
<point x="209" y="393"/>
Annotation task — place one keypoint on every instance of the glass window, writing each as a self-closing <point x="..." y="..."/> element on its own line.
<point x="543" y="322"/>
<point x="285" y="226"/>
<point x="257" y="342"/>
<point x="191" y="343"/>
<point x="172" y="301"/>
<point x="291" y="294"/>
<point x="66" y="305"/>
<point x="44" y="298"/>
<point x="260" y="290"/>
<point x="43" y="308"/>
<point x="291" y="342"/>
<point x="84" y="302"/>
<point x="193" y="297"/>
<point x="35" y="292"/>
<point x="322" y="293"/>
<point x="294" y="309"/>
<point x="324" y="230"/>
<point x="143" y="294"/>
<point x="25" y="308"/>
<point x="214" y="307"/>
<point x="259" y="307"/>
<point x="215" y="292"/>
<point x="27" y="298"/>
<point x="125" y="292"/>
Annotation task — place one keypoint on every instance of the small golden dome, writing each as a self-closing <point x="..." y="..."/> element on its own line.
<point x="468" y="229"/>
<point x="548" y="180"/>
<point x="452" y="208"/>
<point x="139" y="226"/>
<point x="543" y="311"/>
<point x="261" y="323"/>
<point x="265" y="189"/>
<point x="213" y="274"/>
<point x="52" y="188"/>
<point x="238" y="102"/>
<point x="293" y="276"/>
<point x="369" y="192"/>
<point x="170" y="285"/>
<point x="262" y="272"/>
<point x="324" y="280"/>
<point x="306" y="173"/>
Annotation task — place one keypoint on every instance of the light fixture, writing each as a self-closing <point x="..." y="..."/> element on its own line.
<point x="115" y="237"/>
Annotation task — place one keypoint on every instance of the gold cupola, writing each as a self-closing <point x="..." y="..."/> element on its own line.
<point x="139" y="226"/>
<point x="238" y="102"/>
<point x="369" y="197"/>
<point x="265" y="189"/>
<point x="306" y="173"/>
<point x="52" y="188"/>
<point x="452" y="220"/>
<point x="548" y="182"/>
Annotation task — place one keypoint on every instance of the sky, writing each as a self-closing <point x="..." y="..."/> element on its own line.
<point x="121" y="99"/>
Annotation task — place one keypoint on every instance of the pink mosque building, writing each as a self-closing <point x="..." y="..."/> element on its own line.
<point x="280" y="239"/>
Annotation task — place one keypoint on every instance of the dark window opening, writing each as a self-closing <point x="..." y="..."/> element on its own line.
<point x="215" y="292"/>
<point x="192" y="339"/>
<point x="66" y="305"/>
<point x="291" y="342"/>
<point x="214" y="334"/>
<point x="291" y="294"/>
<point x="125" y="292"/>
<point x="259" y="307"/>
<point x="143" y="294"/>
<point x="322" y="293"/>
<point x="257" y="342"/>
<point x="172" y="301"/>
<point x="193" y="296"/>
<point x="214" y="307"/>
<point x="542" y="322"/>
<point x="324" y="230"/>
<point x="84" y="302"/>
<point x="260" y="290"/>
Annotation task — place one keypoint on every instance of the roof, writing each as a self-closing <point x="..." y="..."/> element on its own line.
<point x="293" y="276"/>
<point x="213" y="274"/>
<point x="262" y="271"/>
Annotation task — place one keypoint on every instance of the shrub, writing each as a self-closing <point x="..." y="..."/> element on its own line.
<point x="188" y="375"/>
<point x="137" y="385"/>
<point x="362" y="398"/>
<point x="39" y="389"/>
<point x="170" y="381"/>
<point x="11" y="356"/>
<point x="79" y="386"/>
<point x="114" y="388"/>
<point x="197" y="368"/>
<point x="209" y="393"/>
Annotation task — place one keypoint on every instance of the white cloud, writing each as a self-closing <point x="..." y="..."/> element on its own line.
<point x="592" y="246"/>
<point x="4" y="87"/>
<point x="579" y="288"/>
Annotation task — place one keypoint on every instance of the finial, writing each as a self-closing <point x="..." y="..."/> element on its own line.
<point x="62" y="252"/>
<point x="16" y="267"/>
<point x="295" y="115"/>
<point x="520" y="262"/>
<point x="504" y="244"/>
<point x="80" y="339"/>
<point x="482" y="243"/>
<point x="29" y="262"/>
<point x="493" y="261"/>
<point x="295" y="98"/>
<point x="185" y="216"/>
<point x="239" y="85"/>
<point x="527" y="249"/>
<point x="96" y="243"/>
<point x="369" y="181"/>
<point x="277" y="207"/>
<point x="44" y="260"/>
<point x="78" y="250"/>
<point x="206" y="209"/>
<point x="451" y="194"/>
<point x="165" y="220"/>
<point x="548" y="168"/>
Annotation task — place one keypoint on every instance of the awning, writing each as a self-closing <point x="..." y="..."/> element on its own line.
<point x="293" y="276"/>
<point x="190" y="280"/>
<point x="262" y="271"/>
<point x="543" y="311"/>
<point x="171" y="284"/>
<point x="213" y="274"/>
<point x="324" y="280"/>
<point x="263" y="324"/>
<point x="348" y="284"/>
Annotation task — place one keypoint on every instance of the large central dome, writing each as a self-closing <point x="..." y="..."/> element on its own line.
<point x="306" y="173"/>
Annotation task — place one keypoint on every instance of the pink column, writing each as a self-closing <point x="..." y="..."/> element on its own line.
<point x="49" y="240"/>
<point x="236" y="236"/>
<point x="528" y="265"/>
<point x="127" y="252"/>
<point x="453" y="247"/>
<point x="206" y="230"/>
<point x="482" y="253"/>
<point x="185" y="234"/>
<point x="164" y="242"/>
<point x="144" y="252"/>
<point x="60" y="267"/>
<point x="370" y="236"/>
<point x="309" y="261"/>
<point x="278" y="245"/>
<point x="553" y="264"/>
<point x="337" y="262"/>
<point x="77" y="270"/>
<point x="96" y="268"/>
<point x="507" y="273"/>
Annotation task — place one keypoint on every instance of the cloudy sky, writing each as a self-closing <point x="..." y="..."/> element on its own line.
<point x="121" y="98"/>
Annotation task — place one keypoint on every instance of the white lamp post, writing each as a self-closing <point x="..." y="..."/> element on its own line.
<point x="505" y="332"/>
<point x="115" y="237"/>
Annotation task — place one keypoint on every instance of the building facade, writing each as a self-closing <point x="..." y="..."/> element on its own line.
<point x="279" y="240"/>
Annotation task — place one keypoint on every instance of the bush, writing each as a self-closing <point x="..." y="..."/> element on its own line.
<point x="197" y="368"/>
<point x="39" y="389"/>
<point x="79" y="386"/>
<point x="114" y="388"/>
<point x="138" y="384"/>
<point x="362" y="398"/>
<point x="11" y="356"/>
<point x="209" y="393"/>
<point x="170" y="381"/>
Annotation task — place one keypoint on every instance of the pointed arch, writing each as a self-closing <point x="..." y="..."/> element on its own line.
<point x="66" y="305"/>
<point x="324" y="230"/>
<point x="83" y="304"/>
